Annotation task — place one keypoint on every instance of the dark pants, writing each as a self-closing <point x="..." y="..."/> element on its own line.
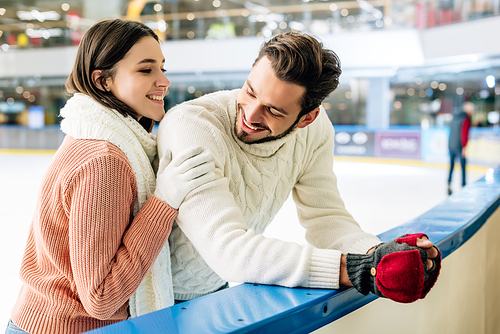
<point x="454" y="154"/>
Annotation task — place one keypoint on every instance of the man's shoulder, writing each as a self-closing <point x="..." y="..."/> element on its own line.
<point x="205" y="121"/>
<point x="217" y="102"/>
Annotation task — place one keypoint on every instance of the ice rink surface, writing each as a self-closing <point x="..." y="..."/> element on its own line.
<point x="379" y="196"/>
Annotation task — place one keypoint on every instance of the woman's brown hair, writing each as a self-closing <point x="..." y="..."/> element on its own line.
<point x="101" y="48"/>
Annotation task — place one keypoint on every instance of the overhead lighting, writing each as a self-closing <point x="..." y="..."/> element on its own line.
<point x="162" y="26"/>
<point x="256" y="8"/>
<point x="296" y="26"/>
<point x="2" y="11"/>
<point x="36" y="15"/>
<point x="45" y="33"/>
<point x="65" y="7"/>
<point x="490" y="81"/>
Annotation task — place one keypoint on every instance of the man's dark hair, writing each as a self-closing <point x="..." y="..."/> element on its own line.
<point x="301" y="59"/>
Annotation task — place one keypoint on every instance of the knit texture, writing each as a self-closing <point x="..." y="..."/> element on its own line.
<point x="394" y="270"/>
<point x="217" y="236"/>
<point x="85" y="118"/>
<point x="85" y="253"/>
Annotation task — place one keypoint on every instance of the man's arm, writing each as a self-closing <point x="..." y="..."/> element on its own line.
<point x="320" y="207"/>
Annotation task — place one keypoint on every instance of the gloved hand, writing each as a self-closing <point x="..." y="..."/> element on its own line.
<point x="189" y="169"/>
<point x="395" y="270"/>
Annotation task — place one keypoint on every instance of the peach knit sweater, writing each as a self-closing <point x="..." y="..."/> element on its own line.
<point x="86" y="255"/>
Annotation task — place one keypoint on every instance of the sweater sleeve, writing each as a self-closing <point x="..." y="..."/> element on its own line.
<point x="214" y="223"/>
<point x="109" y="252"/>
<point x="320" y="207"/>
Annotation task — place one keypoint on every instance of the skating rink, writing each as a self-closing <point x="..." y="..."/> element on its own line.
<point x="379" y="196"/>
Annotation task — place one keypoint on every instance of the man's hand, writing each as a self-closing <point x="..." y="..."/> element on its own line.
<point x="432" y="251"/>
<point x="426" y="244"/>
<point x="404" y="269"/>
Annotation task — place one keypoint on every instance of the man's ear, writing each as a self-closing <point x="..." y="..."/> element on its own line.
<point x="308" y="118"/>
<point x="96" y="79"/>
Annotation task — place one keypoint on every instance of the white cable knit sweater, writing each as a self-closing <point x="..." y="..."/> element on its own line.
<point x="217" y="236"/>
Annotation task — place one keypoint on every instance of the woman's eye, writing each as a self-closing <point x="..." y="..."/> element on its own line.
<point x="147" y="70"/>
<point x="164" y="70"/>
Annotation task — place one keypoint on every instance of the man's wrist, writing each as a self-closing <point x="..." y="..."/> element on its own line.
<point x="344" y="277"/>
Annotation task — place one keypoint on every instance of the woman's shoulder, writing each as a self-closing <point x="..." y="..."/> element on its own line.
<point x="77" y="152"/>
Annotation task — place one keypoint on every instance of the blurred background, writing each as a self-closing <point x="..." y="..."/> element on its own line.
<point x="408" y="65"/>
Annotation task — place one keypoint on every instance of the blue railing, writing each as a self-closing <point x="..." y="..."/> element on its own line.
<point x="255" y="308"/>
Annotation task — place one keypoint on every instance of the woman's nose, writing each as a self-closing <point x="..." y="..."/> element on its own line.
<point x="162" y="81"/>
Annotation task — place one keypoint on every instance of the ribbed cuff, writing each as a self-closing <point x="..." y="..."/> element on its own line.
<point x="158" y="211"/>
<point x="359" y="269"/>
<point x="324" y="271"/>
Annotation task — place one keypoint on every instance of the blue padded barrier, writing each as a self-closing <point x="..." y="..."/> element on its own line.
<point x="255" y="308"/>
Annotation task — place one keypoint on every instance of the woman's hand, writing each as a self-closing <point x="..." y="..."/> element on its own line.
<point x="177" y="177"/>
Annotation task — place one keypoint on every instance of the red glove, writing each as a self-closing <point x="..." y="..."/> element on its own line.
<point x="394" y="270"/>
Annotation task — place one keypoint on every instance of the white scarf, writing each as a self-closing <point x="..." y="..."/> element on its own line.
<point x="85" y="118"/>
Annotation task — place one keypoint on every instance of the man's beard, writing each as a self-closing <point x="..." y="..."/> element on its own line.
<point x="243" y="136"/>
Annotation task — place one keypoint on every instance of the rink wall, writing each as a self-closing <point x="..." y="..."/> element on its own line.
<point x="429" y="145"/>
<point x="401" y="142"/>
<point x="465" y="299"/>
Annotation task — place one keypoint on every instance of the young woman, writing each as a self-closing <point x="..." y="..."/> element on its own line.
<point x="102" y="218"/>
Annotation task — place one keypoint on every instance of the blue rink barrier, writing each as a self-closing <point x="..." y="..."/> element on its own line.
<point x="256" y="308"/>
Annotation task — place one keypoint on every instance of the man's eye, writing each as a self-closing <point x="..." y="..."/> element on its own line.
<point x="274" y="114"/>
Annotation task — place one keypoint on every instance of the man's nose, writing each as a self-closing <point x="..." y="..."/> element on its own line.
<point x="255" y="113"/>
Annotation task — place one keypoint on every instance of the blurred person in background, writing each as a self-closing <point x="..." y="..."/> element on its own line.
<point x="102" y="218"/>
<point x="269" y="139"/>
<point x="457" y="143"/>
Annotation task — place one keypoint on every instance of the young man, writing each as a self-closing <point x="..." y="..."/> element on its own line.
<point x="269" y="139"/>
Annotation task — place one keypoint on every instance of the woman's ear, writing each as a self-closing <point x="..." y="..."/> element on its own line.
<point x="96" y="79"/>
